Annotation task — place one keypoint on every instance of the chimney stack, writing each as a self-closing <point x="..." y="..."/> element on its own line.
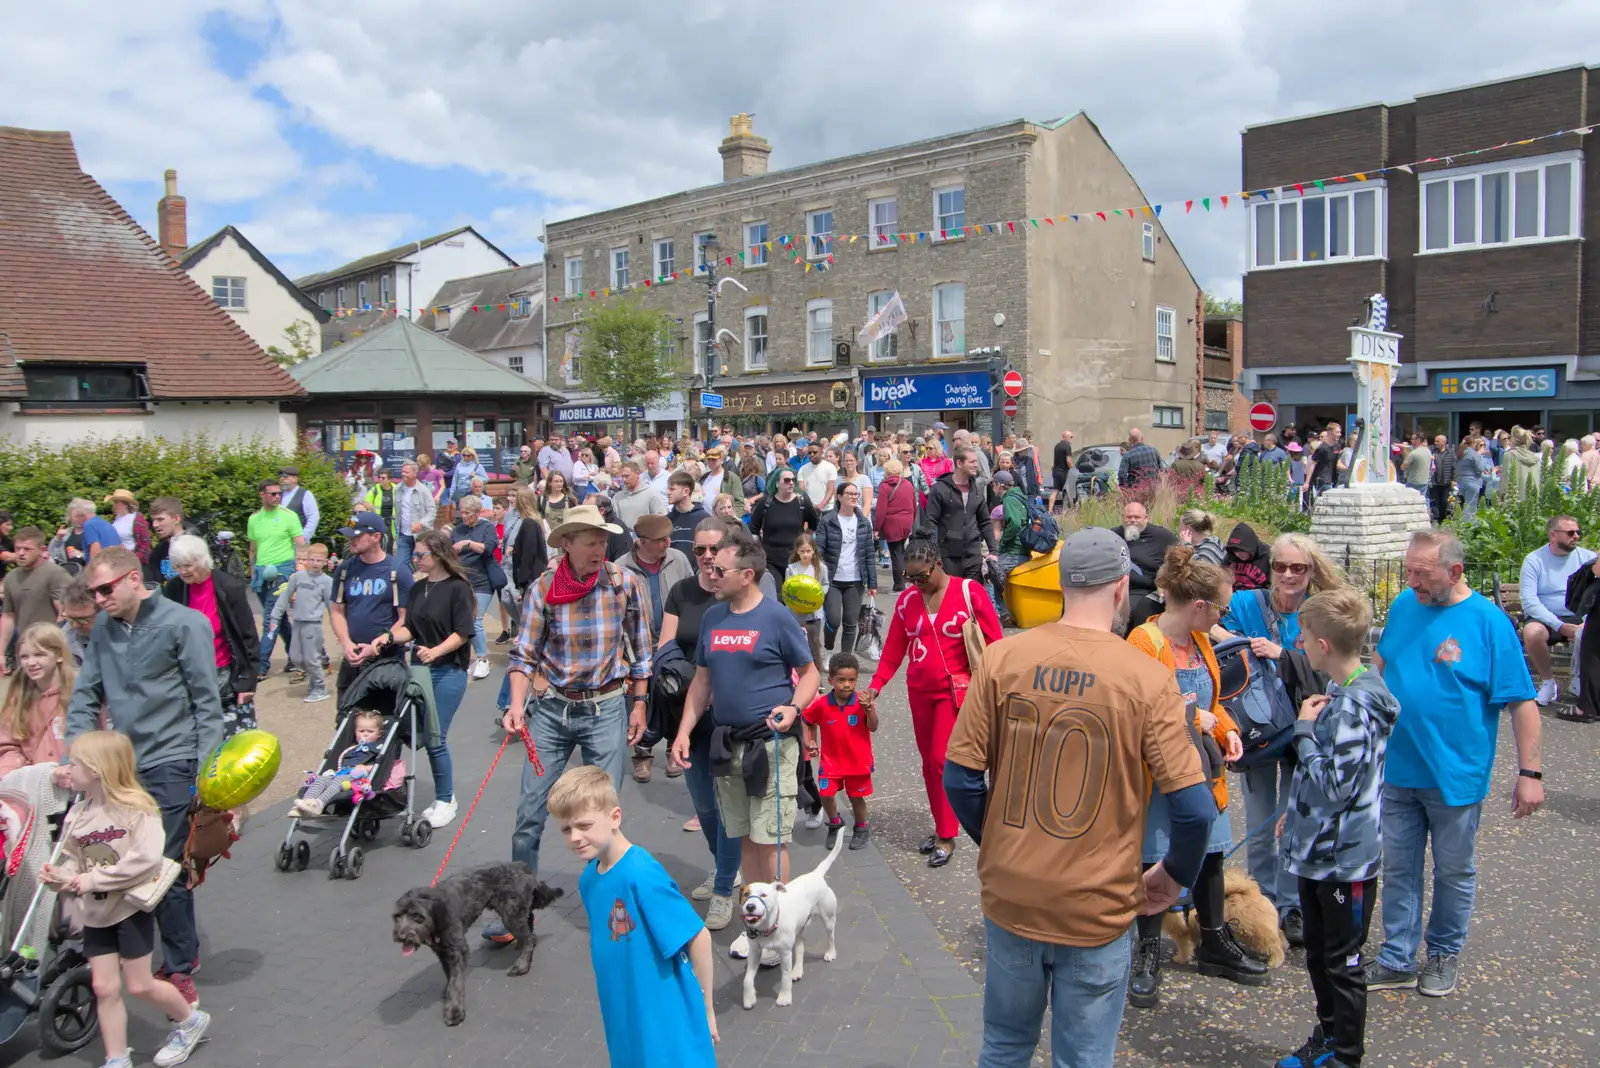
<point x="743" y="153"/>
<point x="172" y="216"/>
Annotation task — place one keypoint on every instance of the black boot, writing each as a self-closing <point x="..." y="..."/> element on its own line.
<point x="1221" y="956"/>
<point x="1144" y="984"/>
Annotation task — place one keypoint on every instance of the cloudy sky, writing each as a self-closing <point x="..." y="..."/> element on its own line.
<point x="328" y="136"/>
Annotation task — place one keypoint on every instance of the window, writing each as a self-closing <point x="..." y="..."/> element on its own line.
<point x="755" y="244"/>
<point x="361" y="294"/>
<point x="88" y="387"/>
<point x="886" y="347"/>
<point x="1296" y="231"/>
<point x="755" y="339"/>
<point x="819" y="333"/>
<point x="1218" y="420"/>
<point x="1166" y="346"/>
<point x="700" y="241"/>
<point x="666" y="258"/>
<point x="950" y="211"/>
<point x="1501" y="204"/>
<point x="1147" y="241"/>
<point x="1168" y="417"/>
<point x="883" y="217"/>
<point x="819" y="233"/>
<point x="619" y="268"/>
<point x="950" y="319"/>
<point x="521" y="306"/>
<point x="702" y="342"/>
<point x="574" y="275"/>
<point x="442" y="318"/>
<point x="669" y="343"/>
<point x="572" y="358"/>
<point x="515" y="364"/>
<point x="340" y="298"/>
<point x="383" y="289"/>
<point x="322" y="301"/>
<point x="228" y="292"/>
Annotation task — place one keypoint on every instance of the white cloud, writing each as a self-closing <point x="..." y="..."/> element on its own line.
<point x="308" y="238"/>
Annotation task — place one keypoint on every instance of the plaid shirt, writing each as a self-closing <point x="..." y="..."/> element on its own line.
<point x="1141" y="463"/>
<point x="589" y="644"/>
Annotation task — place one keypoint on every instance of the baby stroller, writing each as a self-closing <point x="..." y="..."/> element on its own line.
<point x="55" y="984"/>
<point x="385" y="687"/>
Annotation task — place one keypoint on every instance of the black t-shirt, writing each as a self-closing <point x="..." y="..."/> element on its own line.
<point x="436" y="610"/>
<point x="475" y="564"/>
<point x="1322" y="462"/>
<point x="782" y="523"/>
<point x="6" y="546"/>
<point x="1063" y="456"/>
<point x="688" y="601"/>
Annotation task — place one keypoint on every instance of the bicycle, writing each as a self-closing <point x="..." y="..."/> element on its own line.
<point x="224" y="556"/>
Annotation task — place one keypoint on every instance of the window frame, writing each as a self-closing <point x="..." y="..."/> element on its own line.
<point x="514" y="363"/>
<point x="568" y="276"/>
<point x="361" y="294"/>
<point x="521" y="307"/>
<point x="754" y="246"/>
<point x="574" y="369"/>
<point x="885" y="239"/>
<point x="1147" y="242"/>
<point x="1223" y="422"/>
<point x="234" y="292"/>
<point x="620" y="259"/>
<point x="955" y="233"/>
<point x="1452" y="178"/>
<point x="754" y="312"/>
<point x="1156" y="420"/>
<point x="819" y="243"/>
<point x="890" y="341"/>
<point x="1277" y="206"/>
<point x="700" y="351"/>
<point x="812" y="308"/>
<point x="962" y="337"/>
<point x="383" y="289"/>
<point x="137" y="378"/>
<point x="1171" y="336"/>
<point x="664" y="268"/>
<point x="339" y="297"/>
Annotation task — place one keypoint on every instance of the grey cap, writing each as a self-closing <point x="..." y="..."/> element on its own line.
<point x="1003" y="478"/>
<point x="1093" y="557"/>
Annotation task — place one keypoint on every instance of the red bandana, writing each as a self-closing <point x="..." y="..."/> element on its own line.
<point x="567" y="587"/>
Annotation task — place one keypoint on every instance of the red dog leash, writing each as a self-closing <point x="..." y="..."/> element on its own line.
<point x="533" y="758"/>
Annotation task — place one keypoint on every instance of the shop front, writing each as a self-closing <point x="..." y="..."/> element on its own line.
<point x="914" y="400"/>
<point x="594" y="418"/>
<point x="824" y="404"/>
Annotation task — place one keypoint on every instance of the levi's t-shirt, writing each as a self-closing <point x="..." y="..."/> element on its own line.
<point x="751" y="656"/>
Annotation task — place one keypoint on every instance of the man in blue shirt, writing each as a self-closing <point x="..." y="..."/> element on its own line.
<point x="94" y="533"/>
<point x="1452" y="659"/>
<point x="370" y="590"/>
<point x="1545" y="619"/>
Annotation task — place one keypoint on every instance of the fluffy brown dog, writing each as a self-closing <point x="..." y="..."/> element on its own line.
<point x="1246" y="909"/>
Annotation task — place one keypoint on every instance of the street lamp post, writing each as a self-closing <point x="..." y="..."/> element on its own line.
<point x="711" y="248"/>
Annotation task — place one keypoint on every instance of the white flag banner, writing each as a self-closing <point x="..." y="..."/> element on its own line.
<point x="887" y="321"/>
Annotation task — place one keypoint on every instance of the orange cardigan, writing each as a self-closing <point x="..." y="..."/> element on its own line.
<point x="1147" y="638"/>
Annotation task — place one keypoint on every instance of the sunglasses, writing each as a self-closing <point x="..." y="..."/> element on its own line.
<point x="919" y="577"/>
<point x="420" y="554"/>
<point x="1220" y="608"/>
<point x="785" y="481"/>
<point x="721" y="572"/>
<point x="105" y="588"/>
<point x="705" y="550"/>
<point x="272" y="493"/>
<point x="1290" y="569"/>
<point x="1573" y="533"/>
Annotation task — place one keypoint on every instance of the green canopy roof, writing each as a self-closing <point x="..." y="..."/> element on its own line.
<point x="402" y="357"/>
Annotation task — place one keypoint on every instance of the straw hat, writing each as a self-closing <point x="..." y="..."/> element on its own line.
<point x="583" y="517"/>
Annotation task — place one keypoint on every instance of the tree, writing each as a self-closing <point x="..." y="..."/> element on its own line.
<point x="1224" y="307"/>
<point x="626" y="355"/>
<point x="298" y="335"/>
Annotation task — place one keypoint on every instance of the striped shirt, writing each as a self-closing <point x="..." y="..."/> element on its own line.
<point x="591" y="643"/>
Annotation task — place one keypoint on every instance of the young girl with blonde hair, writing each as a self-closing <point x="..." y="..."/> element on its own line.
<point x="36" y="699"/>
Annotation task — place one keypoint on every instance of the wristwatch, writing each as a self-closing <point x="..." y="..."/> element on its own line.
<point x="1526" y="774"/>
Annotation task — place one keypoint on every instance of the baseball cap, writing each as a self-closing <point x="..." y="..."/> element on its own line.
<point x="1093" y="557"/>
<point x="364" y="523"/>
<point x="1004" y="478"/>
<point x="940" y="426"/>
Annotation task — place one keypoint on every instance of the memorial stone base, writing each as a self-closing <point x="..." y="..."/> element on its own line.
<point x="1368" y="522"/>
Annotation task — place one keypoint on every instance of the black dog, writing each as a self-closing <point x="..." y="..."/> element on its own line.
<point x="438" y="917"/>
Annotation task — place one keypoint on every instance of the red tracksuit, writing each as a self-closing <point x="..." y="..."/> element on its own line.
<point x="937" y="677"/>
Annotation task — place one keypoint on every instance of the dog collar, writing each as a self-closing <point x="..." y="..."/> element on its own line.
<point x="772" y="915"/>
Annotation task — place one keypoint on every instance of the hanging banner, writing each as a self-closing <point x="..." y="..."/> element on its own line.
<point x="887" y="321"/>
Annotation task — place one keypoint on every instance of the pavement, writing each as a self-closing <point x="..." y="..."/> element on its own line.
<point x="301" y="970"/>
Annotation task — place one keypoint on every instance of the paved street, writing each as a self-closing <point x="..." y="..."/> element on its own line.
<point x="300" y="970"/>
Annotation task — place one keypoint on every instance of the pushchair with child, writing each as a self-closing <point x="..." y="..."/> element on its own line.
<point x="388" y="688"/>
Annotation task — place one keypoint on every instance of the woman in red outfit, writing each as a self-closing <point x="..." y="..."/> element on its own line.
<point x="926" y="621"/>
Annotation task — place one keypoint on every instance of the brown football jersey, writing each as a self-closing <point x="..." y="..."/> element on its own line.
<point x="1071" y="725"/>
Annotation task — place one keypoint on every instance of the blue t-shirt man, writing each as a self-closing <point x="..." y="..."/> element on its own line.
<point x="100" y="534"/>
<point x="1453" y="669"/>
<point x="751" y="656"/>
<point x="1247" y="616"/>
<point x="640" y="928"/>
<point x="372" y="595"/>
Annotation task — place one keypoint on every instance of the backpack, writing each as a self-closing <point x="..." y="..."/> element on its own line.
<point x="1256" y="699"/>
<point x="1040" y="532"/>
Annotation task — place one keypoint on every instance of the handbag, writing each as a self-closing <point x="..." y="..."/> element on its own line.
<point x="147" y="895"/>
<point x="972" y="634"/>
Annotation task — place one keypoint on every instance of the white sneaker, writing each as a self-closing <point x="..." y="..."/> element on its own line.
<point x="1548" y="691"/>
<point x="703" y="891"/>
<point x="440" y="813"/>
<point x="720" y="914"/>
<point x="184" y="1038"/>
<point x="480" y="668"/>
<point x="814" y="819"/>
<point x="313" y="698"/>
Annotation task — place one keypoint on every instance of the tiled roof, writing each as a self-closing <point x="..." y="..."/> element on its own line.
<point x="378" y="259"/>
<point x="402" y="358"/>
<point x="81" y="282"/>
<point x="491" y="327"/>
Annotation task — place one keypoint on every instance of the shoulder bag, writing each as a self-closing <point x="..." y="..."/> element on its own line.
<point x="147" y="895"/>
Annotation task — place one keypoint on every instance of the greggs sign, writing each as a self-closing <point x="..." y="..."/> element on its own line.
<point x="1495" y="385"/>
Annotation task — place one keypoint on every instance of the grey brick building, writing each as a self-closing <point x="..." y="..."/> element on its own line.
<point x="1100" y="317"/>
<point x="1482" y="258"/>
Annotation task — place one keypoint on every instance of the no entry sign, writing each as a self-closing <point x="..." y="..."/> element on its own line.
<point x="1012" y="383"/>
<point x="1009" y="407"/>
<point x="1263" y="416"/>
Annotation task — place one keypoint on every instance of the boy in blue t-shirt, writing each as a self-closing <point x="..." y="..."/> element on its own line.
<point x="651" y="952"/>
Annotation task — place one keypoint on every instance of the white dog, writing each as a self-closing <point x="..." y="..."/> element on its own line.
<point x="775" y="916"/>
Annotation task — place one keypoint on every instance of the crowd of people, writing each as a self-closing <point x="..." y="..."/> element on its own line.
<point x="639" y="601"/>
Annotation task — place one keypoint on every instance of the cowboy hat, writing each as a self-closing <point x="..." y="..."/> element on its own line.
<point x="579" y="519"/>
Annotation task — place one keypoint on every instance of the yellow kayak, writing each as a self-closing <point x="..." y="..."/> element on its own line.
<point x="1033" y="592"/>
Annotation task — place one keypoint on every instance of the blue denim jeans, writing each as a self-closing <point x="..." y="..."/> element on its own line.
<point x="503" y="702"/>
<point x="480" y="644"/>
<point x="172" y="787"/>
<point x="449" y="687"/>
<point x="697" y="777"/>
<point x="404" y="546"/>
<point x="1410" y="818"/>
<point x="269" y="598"/>
<point x="558" y="726"/>
<point x="1266" y="787"/>
<point x="1086" y="989"/>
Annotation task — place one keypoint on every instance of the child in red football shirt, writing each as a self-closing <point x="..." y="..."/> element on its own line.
<point x="846" y="726"/>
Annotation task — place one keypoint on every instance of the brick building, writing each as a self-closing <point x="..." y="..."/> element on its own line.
<point x="1482" y="259"/>
<point x="1098" y="316"/>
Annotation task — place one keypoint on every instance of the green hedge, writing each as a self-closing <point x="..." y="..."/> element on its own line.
<point x="210" y="478"/>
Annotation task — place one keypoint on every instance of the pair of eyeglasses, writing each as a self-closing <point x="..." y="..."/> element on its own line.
<point x="919" y="577"/>
<point x="1290" y="569"/>
<point x="1221" y="609"/>
<point x="721" y="572"/>
<point x="1573" y="533"/>
<point x="420" y="554"/>
<point x="705" y="550"/>
<point x="272" y="493"/>
<point x="105" y="588"/>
